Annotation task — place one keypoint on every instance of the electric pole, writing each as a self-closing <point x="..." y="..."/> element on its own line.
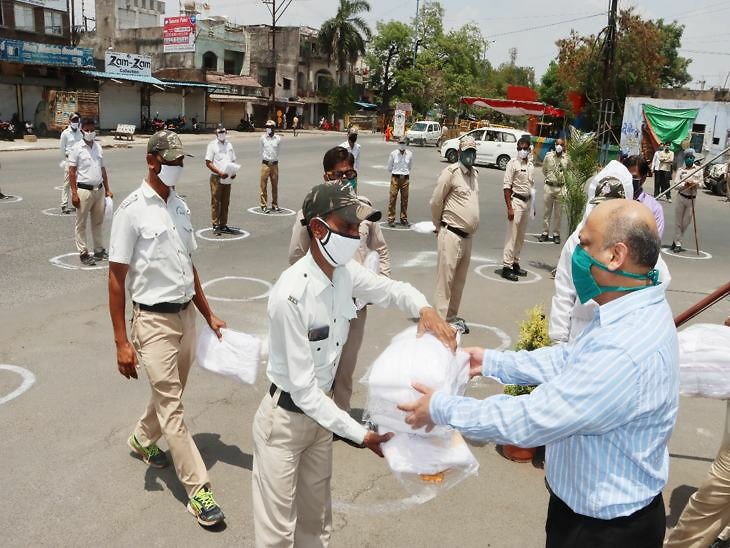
<point x="276" y="9"/>
<point x="608" y="87"/>
<point x="415" y="37"/>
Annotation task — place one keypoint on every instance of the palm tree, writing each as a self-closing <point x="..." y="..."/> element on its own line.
<point x="343" y="37"/>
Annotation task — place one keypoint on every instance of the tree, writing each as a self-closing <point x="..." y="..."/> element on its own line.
<point x="342" y="100"/>
<point x="552" y="90"/>
<point x="342" y="38"/>
<point x="390" y="53"/>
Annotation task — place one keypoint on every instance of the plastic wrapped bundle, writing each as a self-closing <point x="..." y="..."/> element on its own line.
<point x="704" y="361"/>
<point x="235" y="354"/>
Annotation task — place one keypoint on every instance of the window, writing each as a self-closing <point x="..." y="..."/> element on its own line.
<point x="478" y="135"/>
<point x="210" y="61"/>
<point x="287" y="84"/>
<point x="24" y="18"/>
<point x="53" y="22"/>
<point x="697" y="139"/>
<point x="508" y="138"/>
<point x="492" y="136"/>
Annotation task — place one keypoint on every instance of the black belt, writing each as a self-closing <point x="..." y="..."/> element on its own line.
<point x="399" y="175"/>
<point x="163" y="308"/>
<point x="88" y="187"/>
<point x="285" y="401"/>
<point x="688" y="197"/>
<point x="273" y="163"/>
<point x="455" y="230"/>
<point x="520" y="197"/>
<point x="548" y="183"/>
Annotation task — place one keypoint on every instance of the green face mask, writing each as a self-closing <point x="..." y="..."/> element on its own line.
<point x="352" y="183"/>
<point x="586" y="286"/>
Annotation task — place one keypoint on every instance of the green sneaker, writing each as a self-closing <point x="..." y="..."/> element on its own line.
<point x="152" y="455"/>
<point x="204" y="507"/>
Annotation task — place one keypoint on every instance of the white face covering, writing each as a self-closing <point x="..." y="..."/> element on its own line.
<point x="221" y="137"/>
<point x="401" y="147"/>
<point x="338" y="249"/>
<point x="89" y="136"/>
<point x="170" y="174"/>
<point x="269" y="131"/>
<point x="558" y="148"/>
<point x="523" y="154"/>
<point x="74" y="125"/>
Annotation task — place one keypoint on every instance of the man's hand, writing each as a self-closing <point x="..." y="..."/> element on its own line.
<point x="223" y="175"/>
<point x="476" y="360"/>
<point x="727" y="321"/>
<point x="373" y="440"/>
<point x="510" y="214"/>
<point x="127" y="360"/>
<point x="75" y="200"/>
<point x="233" y="176"/>
<point x="418" y="414"/>
<point x="433" y="323"/>
<point x="216" y="324"/>
<point x="109" y="194"/>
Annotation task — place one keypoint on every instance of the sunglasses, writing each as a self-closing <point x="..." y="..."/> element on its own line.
<point x="337" y="175"/>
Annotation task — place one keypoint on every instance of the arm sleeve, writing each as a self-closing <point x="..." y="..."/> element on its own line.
<point x="73" y="155"/>
<point x="509" y="175"/>
<point x="563" y="301"/>
<point x="390" y="163"/>
<point x="62" y="146"/>
<point x="300" y="241"/>
<point x="523" y="367"/>
<point x="209" y="153"/>
<point x="101" y="156"/>
<point x="123" y="237"/>
<point x="233" y="152"/>
<point x="546" y="167"/>
<point x="409" y="160"/>
<point x="443" y="187"/>
<point x="376" y="242"/>
<point x="372" y="288"/>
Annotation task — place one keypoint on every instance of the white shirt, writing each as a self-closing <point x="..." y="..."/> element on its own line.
<point x="69" y="138"/>
<point x="655" y="161"/>
<point x="304" y="299"/>
<point x="355" y="152"/>
<point x="88" y="161"/>
<point x="155" y="238"/>
<point x="400" y="163"/>
<point x="270" y="148"/>
<point x="220" y="154"/>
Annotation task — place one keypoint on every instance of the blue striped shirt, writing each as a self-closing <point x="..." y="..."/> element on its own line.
<point x="605" y="407"/>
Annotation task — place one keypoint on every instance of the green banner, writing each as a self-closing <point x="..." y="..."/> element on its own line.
<point x="670" y="124"/>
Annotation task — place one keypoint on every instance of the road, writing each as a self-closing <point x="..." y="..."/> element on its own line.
<point x="66" y="471"/>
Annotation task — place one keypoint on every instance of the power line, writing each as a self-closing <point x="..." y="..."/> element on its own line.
<point x="548" y="25"/>
<point x="705" y="52"/>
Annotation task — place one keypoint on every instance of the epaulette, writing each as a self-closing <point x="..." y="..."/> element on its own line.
<point x="296" y="292"/>
<point x="129" y="200"/>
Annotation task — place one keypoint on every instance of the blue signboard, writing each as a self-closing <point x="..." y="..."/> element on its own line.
<point x="33" y="53"/>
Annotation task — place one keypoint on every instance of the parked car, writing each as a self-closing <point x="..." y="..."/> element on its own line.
<point x="424" y="133"/>
<point x="495" y="145"/>
<point x="714" y="175"/>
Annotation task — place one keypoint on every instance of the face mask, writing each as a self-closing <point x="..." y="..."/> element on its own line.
<point x="586" y="286"/>
<point x="338" y="249"/>
<point x="468" y="157"/>
<point x="269" y="131"/>
<point x="558" y="149"/>
<point x="523" y="154"/>
<point x="666" y="149"/>
<point x="89" y="136"/>
<point x="74" y="125"/>
<point x="169" y="175"/>
<point x="637" y="186"/>
<point x="401" y="147"/>
<point x="352" y="138"/>
<point x="221" y="137"/>
<point x="689" y="162"/>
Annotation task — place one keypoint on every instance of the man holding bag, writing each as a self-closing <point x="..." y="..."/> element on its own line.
<point x="219" y="157"/>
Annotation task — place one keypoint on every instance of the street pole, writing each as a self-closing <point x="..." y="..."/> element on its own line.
<point x="605" y="116"/>
<point x="415" y="34"/>
<point x="276" y="12"/>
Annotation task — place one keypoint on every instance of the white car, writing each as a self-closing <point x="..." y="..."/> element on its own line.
<point x="424" y="133"/>
<point x="495" y="145"/>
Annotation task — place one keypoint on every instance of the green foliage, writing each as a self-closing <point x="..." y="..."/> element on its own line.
<point x="343" y="37"/>
<point x="390" y="52"/>
<point x="582" y="151"/>
<point x="342" y="100"/>
<point x="533" y="335"/>
<point x="518" y="389"/>
<point x="552" y="90"/>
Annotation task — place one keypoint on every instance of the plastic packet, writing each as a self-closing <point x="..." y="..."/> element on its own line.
<point x="235" y="355"/>
<point x="108" y="210"/>
<point x="704" y="361"/>
<point x="424" y="227"/>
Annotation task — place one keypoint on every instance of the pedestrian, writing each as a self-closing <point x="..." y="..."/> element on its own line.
<point x="399" y="166"/>
<point x="684" y="209"/>
<point x="388" y="133"/>
<point x="218" y="156"/>
<point x="69" y="137"/>
<point x="89" y="186"/>
<point x="295" y="124"/>
<point x="605" y="405"/>
<point x="338" y="167"/>
<point x="152" y="243"/>
<point x="270" y="167"/>
<point x="662" y="166"/>
<point x="639" y="169"/>
<point x="553" y="167"/>
<point x="310" y="308"/>
<point x="455" y="214"/>
<point x="518" y="189"/>
<point x="353" y="146"/>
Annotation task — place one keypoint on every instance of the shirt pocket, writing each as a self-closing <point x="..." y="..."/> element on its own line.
<point x="155" y="239"/>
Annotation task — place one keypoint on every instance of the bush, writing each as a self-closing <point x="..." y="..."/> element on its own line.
<point x="582" y="165"/>
<point x="533" y="335"/>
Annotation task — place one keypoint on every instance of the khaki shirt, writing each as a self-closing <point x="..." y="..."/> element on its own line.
<point x="553" y="166"/>
<point x="519" y="177"/>
<point x="666" y="159"/>
<point x="455" y="200"/>
<point x="691" y="185"/>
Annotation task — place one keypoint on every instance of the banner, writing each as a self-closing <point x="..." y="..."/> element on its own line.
<point x="178" y="34"/>
<point x="128" y="63"/>
<point x="32" y="53"/>
<point x="59" y="5"/>
<point x="399" y="123"/>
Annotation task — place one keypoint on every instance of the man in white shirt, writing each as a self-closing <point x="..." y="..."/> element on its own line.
<point x="89" y="186"/>
<point x="69" y="137"/>
<point x="218" y="158"/>
<point x="354" y="147"/>
<point x="309" y="311"/>
<point x="270" y="167"/>
<point x="399" y="166"/>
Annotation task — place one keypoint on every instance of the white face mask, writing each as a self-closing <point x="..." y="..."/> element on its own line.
<point x="74" y="125"/>
<point x="269" y="131"/>
<point x="170" y="175"/>
<point x="558" y="148"/>
<point x="221" y="137"/>
<point x="401" y="147"/>
<point x="89" y="136"/>
<point x="523" y="154"/>
<point x="338" y="249"/>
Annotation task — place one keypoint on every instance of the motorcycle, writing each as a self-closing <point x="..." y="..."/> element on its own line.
<point x="714" y="178"/>
<point x="7" y="131"/>
<point x="176" y="124"/>
<point x="244" y="125"/>
<point x="195" y="125"/>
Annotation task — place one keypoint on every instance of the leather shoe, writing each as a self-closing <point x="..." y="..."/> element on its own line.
<point x="518" y="271"/>
<point x="508" y="274"/>
<point x="556" y="238"/>
<point x="543" y="237"/>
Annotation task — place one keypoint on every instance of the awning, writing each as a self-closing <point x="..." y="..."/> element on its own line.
<point x="232" y="80"/>
<point x="669" y="124"/>
<point x="222" y="98"/>
<point x="366" y="106"/>
<point x="189" y="84"/>
<point x="129" y="77"/>
<point x="512" y="107"/>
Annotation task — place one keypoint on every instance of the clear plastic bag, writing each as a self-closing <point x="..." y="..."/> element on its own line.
<point x="423" y="227"/>
<point x="108" y="210"/>
<point x="704" y="361"/>
<point x="235" y="355"/>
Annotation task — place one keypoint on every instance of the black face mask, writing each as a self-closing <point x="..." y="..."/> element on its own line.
<point x="637" y="187"/>
<point x="353" y="138"/>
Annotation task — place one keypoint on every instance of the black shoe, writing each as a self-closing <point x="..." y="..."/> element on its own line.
<point x="405" y="223"/>
<point x="673" y="246"/>
<point x="2" y="196"/>
<point x="460" y="325"/>
<point x="67" y="210"/>
<point x="518" y="271"/>
<point x="391" y="224"/>
<point x="556" y="238"/>
<point x="543" y="237"/>
<point x="678" y="249"/>
<point x="508" y="274"/>
<point x="553" y="273"/>
<point x="264" y="209"/>
<point x="102" y="255"/>
<point x="277" y="209"/>
<point x="719" y="543"/>
<point x="87" y="259"/>
<point x="225" y="229"/>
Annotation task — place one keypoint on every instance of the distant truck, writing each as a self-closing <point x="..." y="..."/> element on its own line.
<point x="52" y="113"/>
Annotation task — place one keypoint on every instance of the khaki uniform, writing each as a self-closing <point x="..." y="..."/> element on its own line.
<point x="269" y="170"/>
<point x="88" y="161"/>
<point x="518" y="177"/>
<point x="455" y="213"/>
<point x="687" y="193"/>
<point x="553" y="167"/>
<point x="219" y="154"/>
<point x="399" y="166"/>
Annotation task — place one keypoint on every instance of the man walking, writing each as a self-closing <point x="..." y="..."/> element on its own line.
<point x="455" y="214"/>
<point x="399" y="166"/>
<point x="662" y="166"/>
<point x="69" y="137"/>
<point x="218" y="156"/>
<point x="295" y="124"/>
<point x="687" y="191"/>
<point x="152" y="242"/>
<point x="89" y="186"/>
<point x="270" y="167"/>
<point x="518" y="185"/>
<point x="354" y="147"/>
<point x="553" y="167"/>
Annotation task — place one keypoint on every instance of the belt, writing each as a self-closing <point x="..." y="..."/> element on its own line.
<point x="270" y="163"/>
<point x="521" y="197"/>
<point x="548" y="183"/>
<point x="88" y="187"/>
<point x="285" y="401"/>
<point x="399" y="175"/>
<point x="163" y="308"/>
<point x="688" y="197"/>
<point x="456" y="231"/>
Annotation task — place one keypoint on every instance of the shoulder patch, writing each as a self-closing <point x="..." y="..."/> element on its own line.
<point x="293" y="300"/>
<point x="129" y="200"/>
<point x="453" y="167"/>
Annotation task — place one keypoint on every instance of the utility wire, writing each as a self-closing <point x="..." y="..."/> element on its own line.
<point x="705" y="52"/>
<point x="548" y="25"/>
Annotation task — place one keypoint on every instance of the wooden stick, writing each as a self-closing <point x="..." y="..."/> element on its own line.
<point x="694" y="223"/>
<point x="714" y="297"/>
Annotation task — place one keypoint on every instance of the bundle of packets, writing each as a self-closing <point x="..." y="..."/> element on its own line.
<point x="704" y="361"/>
<point x="424" y="462"/>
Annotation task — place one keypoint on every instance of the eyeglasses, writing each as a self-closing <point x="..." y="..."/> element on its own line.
<point x="339" y="175"/>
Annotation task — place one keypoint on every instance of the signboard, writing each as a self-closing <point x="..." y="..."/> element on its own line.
<point x="128" y="63"/>
<point x="178" y="34"/>
<point x="32" y="53"/>
<point x="405" y="107"/>
<point x="59" y="5"/>
<point x="399" y="123"/>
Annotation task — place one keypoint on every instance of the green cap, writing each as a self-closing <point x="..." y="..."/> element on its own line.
<point x="168" y="144"/>
<point x="337" y="198"/>
<point x="608" y="188"/>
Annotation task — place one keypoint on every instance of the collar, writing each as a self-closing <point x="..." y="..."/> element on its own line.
<point x="629" y="303"/>
<point x="464" y="169"/>
<point x="149" y="192"/>
<point x="317" y="277"/>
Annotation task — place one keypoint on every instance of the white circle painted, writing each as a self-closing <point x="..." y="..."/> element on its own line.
<point x="688" y="254"/>
<point x="397" y="227"/>
<point x="222" y="238"/>
<point x="28" y="381"/>
<point x="285" y="212"/>
<point x="56" y="212"/>
<point x="533" y="277"/>
<point x="11" y="199"/>
<point x="379" y="166"/>
<point x="60" y="187"/>
<point x="237" y="300"/>
<point x="504" y="339"/>
<point x="536" y="236"/>
<point x="60" y="263"/>
<point x="375" y="183"/>
<point x="377" y="508"/>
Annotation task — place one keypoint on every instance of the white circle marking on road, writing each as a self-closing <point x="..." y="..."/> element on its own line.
<point x="60" y="187"/>
<point x="58" y="261"/>
<point x="531" y="241"/>
<point x="374" y="183"/>
<point x="398" y="226"/>
<point x="377" y="508"/>
<point x="504" y="339"/>
<point x="223" y="238"/>
<point x="495" y="278"/>
<point x="235" y="300"/>
<point x="28" y="381"/>
<point x="379" y="166"/>
<point x="56" y="212"/>
<point x="688" y="254"/>
<point x="285" y="212"/>
<point x="11" y="199"/>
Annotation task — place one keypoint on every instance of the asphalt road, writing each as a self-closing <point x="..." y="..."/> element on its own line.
<point x="67" y="475"/>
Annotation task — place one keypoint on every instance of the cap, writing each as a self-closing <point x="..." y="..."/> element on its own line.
<point x="270" y="123"/>
<point x="467" y="142"/>
<point x="74" y="116"/>
<point x="220" y="129"/>
<point x="338" y="198"/>
<point x="608" y="188"/>
<point x="353" y="131"/>
<point x="168" y="144"/>
<point x="689" y="152"/>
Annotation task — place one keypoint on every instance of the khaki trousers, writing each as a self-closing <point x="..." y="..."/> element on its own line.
<point x="66" y="190"/>
<point x="348" y="360"/>
<point x="682" y="217"/>
<point x="292" y="468"/>
<point x="454" y="255"/>
<point x="165" y="345"/>
<point x="516" y="229"/>
<point x="91" y="205"/>
<point x="553" y="201"/>
<point x="398" y="184"/>
<point x="220" y="198"/>
<point x="269" y="172"/>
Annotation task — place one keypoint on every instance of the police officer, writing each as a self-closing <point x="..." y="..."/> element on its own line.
<point x="687" y="191"/>
<point x="270" y="167"/>
<point x="309" y="311"/>
<point x="399" y="165"/>
<point x="69" y="137"/>
<point x="455" y="214"/>
<point x="152" y="242"/>
<point x="553" y="167"/>
<point x="218" y="154"/>
<point x="518" y="184"/>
